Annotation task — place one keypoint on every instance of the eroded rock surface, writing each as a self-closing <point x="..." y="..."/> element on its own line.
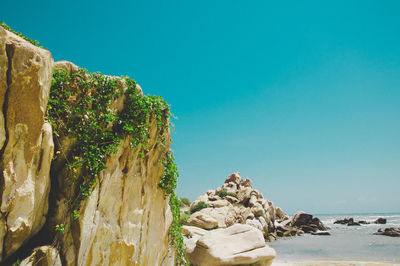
<point x="43" y="256"/>
<point x="126" y="219"/>
<point x="235" y="245"/>
<point x="26" y="141"/>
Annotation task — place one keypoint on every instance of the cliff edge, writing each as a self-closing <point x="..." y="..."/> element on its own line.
<point x="87" y="177"/>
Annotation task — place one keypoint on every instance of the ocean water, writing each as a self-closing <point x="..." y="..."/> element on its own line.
<point x="345" y="242"/>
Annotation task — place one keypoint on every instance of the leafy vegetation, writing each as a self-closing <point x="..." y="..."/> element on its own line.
<point x="185" y="202"/>
<point x="184" y="217"/>
<point x="199" y="206"/>
<point x="224" y="192"/>
<point x="34" y="42"/>
<point x="80" y="108"/>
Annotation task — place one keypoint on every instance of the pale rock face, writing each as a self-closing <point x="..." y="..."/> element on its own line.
<point x="244" y="194"/>
<point x="255" y="223"/>
<point x="44" y="255"/>
<point x="191" y="235"/>
<point x="200" y="198"/>
<point x="230" y="187"/>
<point x="235" y="178"/>
<point x="235" y="245"/>
<point x="219" y="203"/>
<point x="127" y="218"/>
<point x="25" y="140"/>
<point x="203" y="220"/>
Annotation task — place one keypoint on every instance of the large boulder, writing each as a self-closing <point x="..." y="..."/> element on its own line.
<point x="235" y="245"/>
<point x="203" y="220"/>
<point x="307" y="222"/>
<point x="210" y="218"/>
<point x="26" y="141"/>
<point x="43" y="256"/>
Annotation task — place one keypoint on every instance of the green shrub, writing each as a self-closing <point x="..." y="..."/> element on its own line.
<point x="184" y="217"/>
<point x="185" y="202"/>
<point x="79" y="107"/>
<point x="224" y="192"/>
<point x="232" y="194"/>
<point x="199" y="206"/>
<point x="34" y="42"/>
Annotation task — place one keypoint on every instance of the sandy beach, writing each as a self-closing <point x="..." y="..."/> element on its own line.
<point x="334" y="263"/>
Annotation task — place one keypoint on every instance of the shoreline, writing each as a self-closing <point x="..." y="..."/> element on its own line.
<point x="334" y="262"/>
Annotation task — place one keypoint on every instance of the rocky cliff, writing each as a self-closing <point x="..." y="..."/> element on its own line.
<point x="105" y="197"/>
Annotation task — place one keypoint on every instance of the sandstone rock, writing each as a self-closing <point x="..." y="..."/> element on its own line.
<point x="66" y="66"/>
<point x="203" y="198"/>
<point x="243" y="213"/>
<point x="126" y="220"/>
<point x="219" y="203"/>
<point x="246" y="183"/>
<point x="256" y="224"/>
<point x="192" y="231"/>
<point x="231" y="199"/>
<point x="229" y="188"/>
<point x="235" y="178"/>
<point x="223" y="215"/>
<point x="270" y="209"/>
<point x="258" y="210"/>
<point x="235" y="245"/>
<point x="244" y="194"/>
<point x="280" y="215"/>
<point x="191" y="234"/>
<point x="25" y="139"/>
<point x="203" y="220"/>
<point x="252" y="200"/>
<point x="43" y="256"/>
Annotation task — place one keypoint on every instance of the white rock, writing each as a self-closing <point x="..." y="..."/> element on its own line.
<point x="202" y="219"/>
<point x="235" y="245"/>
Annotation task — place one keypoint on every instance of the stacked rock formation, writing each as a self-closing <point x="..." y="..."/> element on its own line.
<point x="237" y="202"/>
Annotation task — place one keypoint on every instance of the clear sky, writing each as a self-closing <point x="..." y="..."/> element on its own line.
<point x="303" y="97"/>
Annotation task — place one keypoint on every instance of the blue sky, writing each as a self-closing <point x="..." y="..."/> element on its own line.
<point x="303" y="97"/>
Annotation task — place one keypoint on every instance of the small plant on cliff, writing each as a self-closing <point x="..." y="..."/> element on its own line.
<point x="224" y="192"/>
<point x="34" y="42"/>
<point x="184" y="217"/>
<point x="199" y="206"/>
<point x="80" y="108"/>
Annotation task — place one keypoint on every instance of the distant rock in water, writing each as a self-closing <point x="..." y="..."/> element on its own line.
<point x="380" y="221"/>
<point x="394" y="232"/>
<point x="351" y="222"/>
<point x="237" y="202"/>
